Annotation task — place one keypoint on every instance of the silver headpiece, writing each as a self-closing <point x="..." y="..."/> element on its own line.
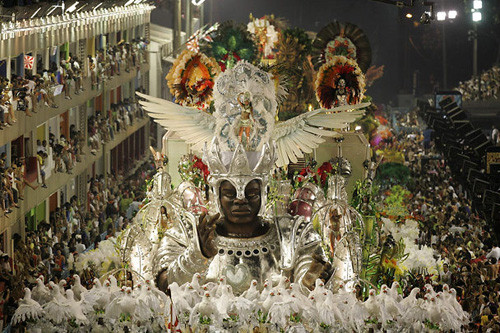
<point x="242" y="149"/>
<point x="239" y="167"/>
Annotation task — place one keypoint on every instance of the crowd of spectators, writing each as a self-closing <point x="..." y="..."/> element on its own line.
<point x="114" y="59"/>
<point x="103" y="127"/>
<point x="457" y="234"/>
<point x="74" y="228"/>
<point x="31" y="92"/>
<point x="13" y="180"/>
<point x="61" y="154"/>
<point x="483" y="87"/>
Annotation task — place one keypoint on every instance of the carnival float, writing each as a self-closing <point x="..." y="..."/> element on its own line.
<point x="257" y="237"/>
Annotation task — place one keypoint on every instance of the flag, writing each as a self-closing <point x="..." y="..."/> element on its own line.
<point x="28" y="62"/>
<point x="58" y="89"/>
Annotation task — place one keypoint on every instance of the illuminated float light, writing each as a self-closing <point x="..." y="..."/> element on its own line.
<point x="476" y="16"/>
<point x="452" y="14"/>
<point x="409" y="15"/>
<point x="477" y="4"/>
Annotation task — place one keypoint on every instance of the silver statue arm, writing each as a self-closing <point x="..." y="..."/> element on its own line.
<point x="305" y="258"/>
<point x="181" y="268"/>
<point x="179" y="255"/>
<point x="300" y="247"/>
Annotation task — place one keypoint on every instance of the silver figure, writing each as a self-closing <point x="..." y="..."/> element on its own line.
<point x="288" y="248"/>
<point x="342" y="226"/>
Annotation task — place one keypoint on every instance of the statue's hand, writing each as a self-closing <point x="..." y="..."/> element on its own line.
<point x="206" y="234"/>
<point x="319" y="269"/>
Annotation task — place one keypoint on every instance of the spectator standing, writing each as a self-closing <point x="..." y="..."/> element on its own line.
<point x="59" y="264"/>
<point x="41" y="156"/>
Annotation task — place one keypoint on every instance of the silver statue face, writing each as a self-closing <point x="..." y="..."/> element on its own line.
<point x="238" y="209"/>
<point x="240" y="189"/>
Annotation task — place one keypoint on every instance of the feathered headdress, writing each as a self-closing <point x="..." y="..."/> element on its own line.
<point x="265" y="35"/>
<point x="342" y="39"/>
<point x="295" y="72"/>
<point x="191" y="79"/>
<point x="339" y="82"/>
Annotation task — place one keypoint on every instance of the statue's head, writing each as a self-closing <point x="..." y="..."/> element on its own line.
<point x="239" y="179"/>
<point x="240" y="209"/>
<point x="342" y="166"/>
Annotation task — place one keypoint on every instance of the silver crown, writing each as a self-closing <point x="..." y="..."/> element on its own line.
<point x="239" y="167"/>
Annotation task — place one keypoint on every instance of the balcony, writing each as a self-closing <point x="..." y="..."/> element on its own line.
<point x="32" y="198"/>
<point x="26" y="124"/>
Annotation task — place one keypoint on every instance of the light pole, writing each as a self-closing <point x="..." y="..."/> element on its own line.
<point x="477" y="5"/>
<point x="474" y="51"/>
<point x="443" y="17"/>
<point x="202" y="14"/>
<point x="201" y="18"/>
<point x="445" y="69"/>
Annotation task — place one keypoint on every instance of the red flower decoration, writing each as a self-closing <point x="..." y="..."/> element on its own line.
<point x="306" y="173"/>
<point x="225" y="59"/>
<point x="198" y="164"/>
<point x="324" y="171"/>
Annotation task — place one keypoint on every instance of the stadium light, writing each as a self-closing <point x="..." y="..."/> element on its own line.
<point x="441" y="16"/>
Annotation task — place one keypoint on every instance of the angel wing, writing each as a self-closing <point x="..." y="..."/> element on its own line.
<point x="304" y="133"/>
<point x="194" y="126"/>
